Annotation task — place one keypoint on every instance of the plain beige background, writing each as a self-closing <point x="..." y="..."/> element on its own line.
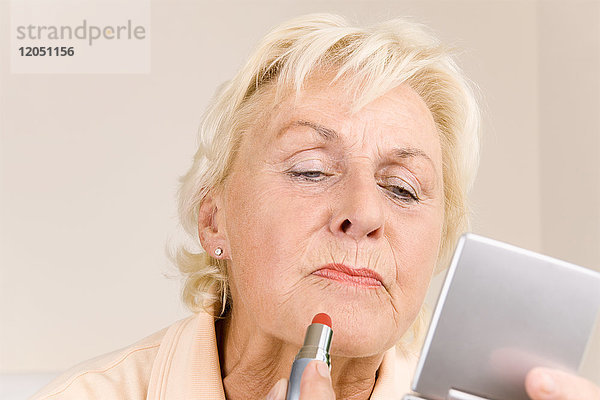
<point x="90" y="162"/>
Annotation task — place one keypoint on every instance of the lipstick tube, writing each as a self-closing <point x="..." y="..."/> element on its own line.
<point x="317" y="342"/>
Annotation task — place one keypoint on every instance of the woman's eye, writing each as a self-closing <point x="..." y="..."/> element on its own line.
<point x="308" y="175"/>
<point x="401" y="193"/>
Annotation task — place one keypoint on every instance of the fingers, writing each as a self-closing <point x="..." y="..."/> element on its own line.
<point x="316" y="382"/>
<point x="552" y="384"/>
<point x="278" y="391"/>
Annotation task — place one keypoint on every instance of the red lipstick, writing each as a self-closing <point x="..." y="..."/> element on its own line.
<point x="317" y="342"/>
<point x="355" y="276"/>
<point x="322" y="318"/>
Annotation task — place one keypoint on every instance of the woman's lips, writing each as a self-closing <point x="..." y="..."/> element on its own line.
<point x="354" y="276"/>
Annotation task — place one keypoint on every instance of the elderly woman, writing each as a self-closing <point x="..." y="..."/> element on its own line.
<point x="331" y="176"/>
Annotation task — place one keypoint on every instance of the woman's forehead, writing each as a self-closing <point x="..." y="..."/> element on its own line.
<point x="398" y="115"/>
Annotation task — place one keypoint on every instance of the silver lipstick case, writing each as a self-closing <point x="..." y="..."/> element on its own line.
<point x="316" y="347"/>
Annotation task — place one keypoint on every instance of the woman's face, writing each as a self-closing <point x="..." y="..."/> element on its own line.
<point x="314" y="187"/>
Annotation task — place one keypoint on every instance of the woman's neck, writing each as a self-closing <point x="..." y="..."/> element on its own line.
<point x="252" y="362"/>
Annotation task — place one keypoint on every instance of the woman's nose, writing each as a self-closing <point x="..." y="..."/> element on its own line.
<point x="358" y="212"/>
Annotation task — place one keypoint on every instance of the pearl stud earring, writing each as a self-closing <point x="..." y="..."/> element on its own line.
<point x="218" y="252"/>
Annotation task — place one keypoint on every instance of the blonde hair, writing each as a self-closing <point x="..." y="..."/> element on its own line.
<point x="369" y="61"/>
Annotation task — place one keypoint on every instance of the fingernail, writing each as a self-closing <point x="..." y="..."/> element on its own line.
<point x="547" y="384"/>
<point x="323" y="369"/>
<point x="278" y="391"/>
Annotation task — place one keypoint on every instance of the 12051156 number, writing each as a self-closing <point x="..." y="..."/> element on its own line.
<point x="46" y="51"/>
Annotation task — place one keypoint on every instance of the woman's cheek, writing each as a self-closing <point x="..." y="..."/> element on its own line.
<point x="275" y="228"/>
<point x="415" y="252"/>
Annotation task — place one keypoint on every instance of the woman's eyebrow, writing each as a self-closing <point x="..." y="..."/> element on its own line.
<point x="330" y="134"/>
<point x="404" y="153"/>
<point x="326" y="133"/>
<point x="410" y="152"/>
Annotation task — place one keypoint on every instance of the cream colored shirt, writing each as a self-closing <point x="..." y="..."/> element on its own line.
<point x="181" y="362"/>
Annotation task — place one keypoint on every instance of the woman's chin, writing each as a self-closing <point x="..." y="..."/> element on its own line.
<point x="365" y="322"/>
<point x="361" y="332"/>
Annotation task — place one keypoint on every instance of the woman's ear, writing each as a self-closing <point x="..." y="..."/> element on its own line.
<point x="211" y="228"/>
